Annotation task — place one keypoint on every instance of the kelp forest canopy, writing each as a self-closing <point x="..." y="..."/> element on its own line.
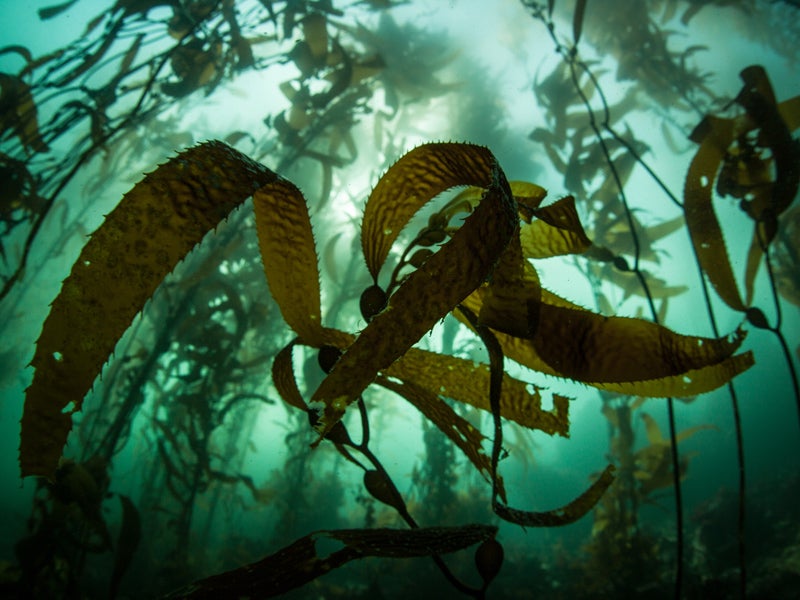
<point x="497" y="300"/>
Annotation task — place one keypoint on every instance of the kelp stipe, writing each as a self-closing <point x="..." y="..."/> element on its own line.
<point x="577" y="69"/>
<point x="739" y="167"/>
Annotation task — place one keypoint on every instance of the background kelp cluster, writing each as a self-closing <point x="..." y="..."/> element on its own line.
<point x="183" y="416"/>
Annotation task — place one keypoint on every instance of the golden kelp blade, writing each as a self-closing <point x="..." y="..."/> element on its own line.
<point x="714" y="136"/>
<point x="620" y="354"/>
<point x="154" y="226"/>
<point x="587" y="347"/>
<point x="412" y="182"/>
<point x="556" y="231"/>
<point x="284" y="380"/>
<point x="289" y="258"/>
<point x="444" y="280"/>
<point x="468" y="382"/>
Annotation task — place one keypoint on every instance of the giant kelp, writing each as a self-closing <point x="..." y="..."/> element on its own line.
<point x="340" y="66"/>
<point x="481" y="270"/>
<point x="130" y="66"/>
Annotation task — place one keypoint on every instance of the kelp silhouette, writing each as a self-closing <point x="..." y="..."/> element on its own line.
<point x="481" y="271"/>
<point x="751" y="158"/>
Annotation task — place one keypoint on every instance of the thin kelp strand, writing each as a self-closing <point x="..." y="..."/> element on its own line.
<point x="382" y="479"/>
<point x="495" y="389"/>
<point x="776" y="329"/>
<point x="607" y="127"/>
<point x="570" y="58"/>
<point x="132" y="116"/>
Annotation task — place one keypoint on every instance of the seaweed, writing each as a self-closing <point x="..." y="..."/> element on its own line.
<point x="480" y="269"/>
<point x="185" y="337"/>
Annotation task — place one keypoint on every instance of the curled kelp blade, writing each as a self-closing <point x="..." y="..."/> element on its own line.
<point x="550" y="518"/>
<point x="154" y="226"/>
<point x="284" y="380"/>
<point x="741" y="167"/>
<point x="441" y="282"/>
<point x="412" y="182"/>
<point x="468" y="382"/>
<point x="528" y="196"/>
<point x="565" y="515"/>
<point x="283" y="376"/>
<point x="621" y="354"/>
<point x="510" y="300"/>
<point x="758" y="99"/>
<point x="320" y="552"/>
<point x="556" y="231"/>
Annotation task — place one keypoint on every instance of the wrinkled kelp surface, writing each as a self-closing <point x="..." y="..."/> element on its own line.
<point x="234" y="347"/>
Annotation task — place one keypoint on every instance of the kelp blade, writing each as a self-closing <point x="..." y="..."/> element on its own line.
<point x="302" y="561"/>
<point x="444" y="280"/>
<point x="714" y="136"/>
<point x="468" y="382"/>
<point x="560" y="516"/>
<point x="410" y="183"/>
<point x="621" y="354"/>
<point x="155" y="225"/>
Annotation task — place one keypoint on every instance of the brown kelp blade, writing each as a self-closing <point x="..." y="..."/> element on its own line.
<point x="556" y="231"/>
<point x="320" y="552"/>
<point x="155" y="225"/>
<point x="468" y="382"/>
<point x="621" y="354"/>
<point x="410" y="183"/>
<point x="733" y="153"/>
<point x="446" y="277"/>
<point x="284" y="380"/>
<point x="289" y="256"/>
<point x="565" y="515"/>
<point x="714" y="136"/>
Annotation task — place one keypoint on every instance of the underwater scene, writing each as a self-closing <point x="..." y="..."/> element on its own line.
<point x="400" y="298"/>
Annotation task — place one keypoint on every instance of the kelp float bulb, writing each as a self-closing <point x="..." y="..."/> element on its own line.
<point x="338" y="433"/>
<point x="327" y="357"/>
<point x="383" y="489"/>
<point x="757" y="318"/>
<point x="488" y="560"/>
<point x="373" y="301"/>
<point x="621" y="263"/>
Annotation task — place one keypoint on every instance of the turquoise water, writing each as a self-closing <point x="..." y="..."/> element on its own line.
<point x="190" y="427"/>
